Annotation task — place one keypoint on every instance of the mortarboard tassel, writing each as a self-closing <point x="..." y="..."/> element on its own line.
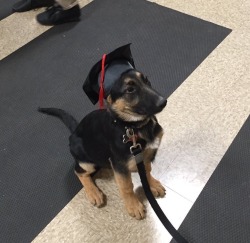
<point x="101" y="91"/>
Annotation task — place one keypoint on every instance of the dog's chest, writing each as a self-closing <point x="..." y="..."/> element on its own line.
<point x="150" y="143"/>
<point x="153" y="144"/>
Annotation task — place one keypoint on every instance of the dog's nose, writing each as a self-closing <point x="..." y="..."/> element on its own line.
<point x="161" y="103"/>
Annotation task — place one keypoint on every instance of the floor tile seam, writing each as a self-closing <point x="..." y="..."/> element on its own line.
<point x="177" y="193"/>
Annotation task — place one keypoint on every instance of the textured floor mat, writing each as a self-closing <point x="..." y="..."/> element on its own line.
<point x="221" y="212"/>
<point x="36" y="175"/>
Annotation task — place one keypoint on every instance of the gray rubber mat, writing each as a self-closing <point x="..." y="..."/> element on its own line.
<point x="36" y="175"/>
<point x="6" y="8"/>
<point x="221" y="212"/>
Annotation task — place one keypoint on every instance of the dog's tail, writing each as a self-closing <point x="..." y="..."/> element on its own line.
<point x="66" y="118"/>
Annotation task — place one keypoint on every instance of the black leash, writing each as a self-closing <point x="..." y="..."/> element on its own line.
<point x="136" y="151"/>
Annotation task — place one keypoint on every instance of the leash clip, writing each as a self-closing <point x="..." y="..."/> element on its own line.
<point x="129" y="136"/>
<point x="135" y="149"/>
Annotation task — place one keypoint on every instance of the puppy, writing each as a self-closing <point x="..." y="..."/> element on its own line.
<point x="98" y="140"/>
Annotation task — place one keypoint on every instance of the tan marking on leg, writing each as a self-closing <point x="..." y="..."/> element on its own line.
<point x="156" y="187"/>
<point x="89" y="168"/>
<point x="134" y="207"/>
<point x="132" y="167"/>
<point x="93" y="193"/>
<point x="148" y="154"/>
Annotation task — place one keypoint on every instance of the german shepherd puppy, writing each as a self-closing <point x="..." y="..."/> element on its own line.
<point x="97" y="141"/>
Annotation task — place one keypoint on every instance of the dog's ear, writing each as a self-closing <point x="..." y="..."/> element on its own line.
<point x="109" y="100"/>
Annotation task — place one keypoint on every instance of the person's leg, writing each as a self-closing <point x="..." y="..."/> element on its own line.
<point x="26" y="5"/>
<point x="63" y="11"/>
<point x="67" y="4"/>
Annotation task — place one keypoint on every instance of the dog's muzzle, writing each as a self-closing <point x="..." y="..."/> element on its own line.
<point x="161" y="103"/>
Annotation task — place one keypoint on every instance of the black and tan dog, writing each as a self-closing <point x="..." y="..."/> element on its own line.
<point x="98" y="140"/>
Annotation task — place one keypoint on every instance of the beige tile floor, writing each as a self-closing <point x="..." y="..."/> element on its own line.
<point x="200" y="123"/>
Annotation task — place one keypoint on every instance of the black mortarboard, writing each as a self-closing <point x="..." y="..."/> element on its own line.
<point x="114" y="64"/>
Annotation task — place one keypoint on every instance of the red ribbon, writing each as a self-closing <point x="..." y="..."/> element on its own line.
<point x="101" y="91"/>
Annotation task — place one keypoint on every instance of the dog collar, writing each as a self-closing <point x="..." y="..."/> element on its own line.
<point x="134" y="125"/>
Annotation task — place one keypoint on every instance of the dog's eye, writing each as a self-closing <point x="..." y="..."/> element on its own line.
<point x="131" y="82"/>
<point x="146" y="81"/>
<point x="130" y="90"/>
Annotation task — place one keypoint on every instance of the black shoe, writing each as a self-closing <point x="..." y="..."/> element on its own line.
<point x="26" y="5"/>
<point x="57" y="15"/>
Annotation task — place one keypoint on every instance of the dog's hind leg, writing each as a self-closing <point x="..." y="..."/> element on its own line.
<point x="93" y="193"/>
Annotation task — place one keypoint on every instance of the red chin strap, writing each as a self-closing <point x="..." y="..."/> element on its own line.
<point x="101" y="91"/>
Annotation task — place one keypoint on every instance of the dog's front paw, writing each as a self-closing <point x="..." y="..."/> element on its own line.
<point x="95" y="196"/>
<point x="157" y="188"/>
<point x="135" y="208"/>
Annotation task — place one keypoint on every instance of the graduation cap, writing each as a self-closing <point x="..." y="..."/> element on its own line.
<point x="104" y="73"/>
